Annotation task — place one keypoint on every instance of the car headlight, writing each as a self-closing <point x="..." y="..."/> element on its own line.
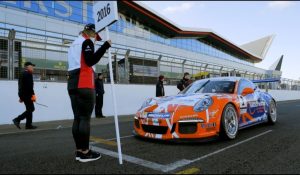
<point x="148" y="102"/>
<point x="203" y="104"/>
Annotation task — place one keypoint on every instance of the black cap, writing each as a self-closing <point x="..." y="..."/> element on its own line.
<point x="161" y="77"/>
<point x="90" y="26"/>
<point x="29" y="64"/>
<point x="186" y="73"/>
<point x="99" y="74"/>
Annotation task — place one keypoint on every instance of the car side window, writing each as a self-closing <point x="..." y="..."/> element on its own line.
<point x="245" y="84"/>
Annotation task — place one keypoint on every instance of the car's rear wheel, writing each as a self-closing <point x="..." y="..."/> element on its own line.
<point x="229" y="123"/>
<point x="272" y="115"/>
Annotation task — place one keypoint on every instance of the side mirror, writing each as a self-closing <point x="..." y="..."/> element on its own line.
<point x="247" y="91"/>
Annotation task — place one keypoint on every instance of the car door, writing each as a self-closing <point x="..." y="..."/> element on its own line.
<point x="250" y="109"/>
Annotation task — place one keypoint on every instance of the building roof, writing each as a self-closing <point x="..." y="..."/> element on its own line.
<point x="277" y="64"/>
<point x="254" y="51"/>
<point x="260" y="46"/>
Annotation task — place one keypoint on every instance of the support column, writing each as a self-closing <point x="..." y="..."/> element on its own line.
<point x="158" y="64"/>
<point x="10" y="68"/>
<point x="183" y="66"/>
<point x="116" y="69"/>
<point x="205" y="67"/>
<point x="220" y="71"/>
<point x="127" y="69"/>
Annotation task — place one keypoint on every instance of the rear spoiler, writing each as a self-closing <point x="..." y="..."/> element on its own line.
<point x="266" y="80"/>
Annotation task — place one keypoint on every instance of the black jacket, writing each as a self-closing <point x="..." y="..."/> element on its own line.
<point x="83" y="77"/>
<point x="182" y="84"/>
<point x="99" y="86"/>
<point x="160" y="91"/>
<point x="25" y="85"/>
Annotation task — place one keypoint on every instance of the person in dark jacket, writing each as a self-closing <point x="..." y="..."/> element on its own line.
<point x="160" y="91"/>
<point x="26" y="95"/>
<point x="99" y="96"/>
<point x="184" y="82"/>
<point x="81" y="88"/>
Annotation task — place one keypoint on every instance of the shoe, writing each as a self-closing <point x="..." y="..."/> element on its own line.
<point x="77" y="155"/>
<point x="31" y="127"/>
<point x="89" y="156"/>
<point x="17" y="123"/>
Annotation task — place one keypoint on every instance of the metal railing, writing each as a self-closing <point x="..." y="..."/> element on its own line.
<point x="50" y="55"/>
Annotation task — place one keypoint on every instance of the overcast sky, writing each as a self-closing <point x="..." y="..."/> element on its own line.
<point x="242" y="22"/>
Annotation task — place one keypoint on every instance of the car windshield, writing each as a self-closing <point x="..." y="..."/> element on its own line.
<point x="208" y="86"/>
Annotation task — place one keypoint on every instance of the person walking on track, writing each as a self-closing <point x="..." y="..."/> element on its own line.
<point x="26" y="95"/>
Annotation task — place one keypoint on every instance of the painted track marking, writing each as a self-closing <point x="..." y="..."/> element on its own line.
<point x="189" y="171"/>
<point x="174" y="165"/>
<point x="103" y="141"/>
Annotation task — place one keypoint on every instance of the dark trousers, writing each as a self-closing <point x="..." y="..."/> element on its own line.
<point x="82" y="101"/>
<point x="99" y="105"/>
<point x="28" y="113"/>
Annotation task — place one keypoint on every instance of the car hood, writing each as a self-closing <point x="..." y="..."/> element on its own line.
<point x="171" y="103"/>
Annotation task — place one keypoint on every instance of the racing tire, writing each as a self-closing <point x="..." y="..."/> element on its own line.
<point x="272" y="114"/>
<point x="229" y="123"/>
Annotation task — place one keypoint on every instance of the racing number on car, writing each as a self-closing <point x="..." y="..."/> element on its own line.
<point x="243" y="104"/>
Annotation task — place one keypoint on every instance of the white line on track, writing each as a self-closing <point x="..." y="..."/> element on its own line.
<point x="174" y="165"/>
<point x="231" y="146"/>
<point x="28" y="131"/>
<point x="120" y="137"/>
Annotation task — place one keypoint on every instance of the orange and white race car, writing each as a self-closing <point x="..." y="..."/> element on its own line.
<point x="206" y="108"/>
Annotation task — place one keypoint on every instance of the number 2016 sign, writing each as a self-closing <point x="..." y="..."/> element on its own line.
<point x="105" y="13"/>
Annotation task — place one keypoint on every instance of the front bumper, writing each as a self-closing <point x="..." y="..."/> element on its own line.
<point x="166" y="129"/>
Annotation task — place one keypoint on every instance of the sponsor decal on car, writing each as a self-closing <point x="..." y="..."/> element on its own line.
<point x="158" y="115"/>
<point x="243" y="110"/>
<point x="212" y="113"/>
<point x="188" y="117"/>
<point x="223" y="97"/>
<point x="208" y="125"/>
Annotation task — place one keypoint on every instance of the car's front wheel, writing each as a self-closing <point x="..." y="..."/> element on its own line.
<point x="272" y="116"/>
<point x="229" y="122"/>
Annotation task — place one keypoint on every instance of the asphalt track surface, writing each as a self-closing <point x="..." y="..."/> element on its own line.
<point x="260" y="149"/>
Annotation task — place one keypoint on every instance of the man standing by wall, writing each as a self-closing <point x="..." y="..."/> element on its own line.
<point x="184" y="82"/>
<point x="99" y="96"/>
<point x="26" y="95"/>
<point x="160" y="91"/>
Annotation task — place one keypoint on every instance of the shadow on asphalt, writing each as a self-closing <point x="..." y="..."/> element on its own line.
<point x="206" y="141"/>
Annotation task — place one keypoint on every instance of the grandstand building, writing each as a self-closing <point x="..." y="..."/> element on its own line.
<point x="145" y="44"/>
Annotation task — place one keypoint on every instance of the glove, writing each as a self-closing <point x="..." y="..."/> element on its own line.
<point x="20" y="100"/>
<point x="98" y="38"/>
<point x="33" y="98"/>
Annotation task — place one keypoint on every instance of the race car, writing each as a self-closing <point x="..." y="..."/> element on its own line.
<point x="206" y="108"/>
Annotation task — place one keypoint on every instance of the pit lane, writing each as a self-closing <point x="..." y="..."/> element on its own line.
<point x="259" y="149"/>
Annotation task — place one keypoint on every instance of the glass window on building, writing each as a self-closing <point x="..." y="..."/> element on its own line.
<point x="16" y="28"/>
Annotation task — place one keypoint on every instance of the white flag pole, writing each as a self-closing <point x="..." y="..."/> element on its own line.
<point x="114" y="100"/>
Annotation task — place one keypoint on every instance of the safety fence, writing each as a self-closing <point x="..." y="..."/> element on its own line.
<point x="48" y="50"/>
